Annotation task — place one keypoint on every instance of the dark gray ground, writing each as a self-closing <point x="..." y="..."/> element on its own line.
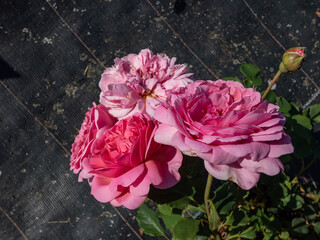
<point x="52" y="54"/>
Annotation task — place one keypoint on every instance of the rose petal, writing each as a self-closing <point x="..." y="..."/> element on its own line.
<point x="128" y="200"/>
<point x="100" y="189"/>
<point x="281" y="147"/>
<point x="244" y="178"/>
<point x="269" y="166"/>
<point x="170" y="160"/>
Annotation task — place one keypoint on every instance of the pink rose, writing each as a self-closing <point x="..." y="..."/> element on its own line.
<point x="125" y="160"/>
<point x="97" y="119"/>
<point x="139" y="83"/>
<point x="237" y="133"/>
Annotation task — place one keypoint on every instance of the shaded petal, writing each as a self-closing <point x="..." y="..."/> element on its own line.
<point x="268" y="131"/>
<point x="254" y="118"/>
<point x="218" y="156"/>
<point x="178" y="140"/>
<point x="161" y="114"/>
<point x="128" y="178"/>
<point x="195" y="145"/>
<point x="281" y="147"/>
<point x="128" y="200"/>
<point x="269" y="166"/>
<point x="100" y="189"/>
<point x="152" y="176"/>
<point x="272" y="122"/>
<point x="244" y="178"/>
<point x="170" y="160"/>
<point x="120" y="112"/>
<point x="259" y="150"/>
<point x="269" y="137"/>
<point x="164" y="134"/>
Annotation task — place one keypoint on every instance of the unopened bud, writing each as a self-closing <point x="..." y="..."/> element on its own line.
<point x="292" y="60"/>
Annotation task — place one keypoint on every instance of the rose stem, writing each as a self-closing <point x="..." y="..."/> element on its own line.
<point x="206" y="195"/>
<point x="276" y="77"/>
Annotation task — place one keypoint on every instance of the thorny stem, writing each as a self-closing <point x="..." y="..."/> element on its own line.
<point x="276" y="77"/>
<point x="206" y="195"/>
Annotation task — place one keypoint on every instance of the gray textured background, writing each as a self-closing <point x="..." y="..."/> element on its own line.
<point x="52" y="54"/>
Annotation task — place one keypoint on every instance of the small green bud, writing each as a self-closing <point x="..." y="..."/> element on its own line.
<point x="292" y="60"/>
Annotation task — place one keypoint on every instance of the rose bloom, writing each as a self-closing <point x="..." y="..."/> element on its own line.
<point x="125" y="160"/>
<point x="138" y="83"/>
<point x="237" y="133"/>
<point x="97" y="120"/>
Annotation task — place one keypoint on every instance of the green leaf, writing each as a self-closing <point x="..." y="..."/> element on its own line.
<point x="293" y="201"/>
<point x="267" y="236"/>
<point x="237" y="218"/>
<point x="185" y="229"/>
<point x="232" y="79"/>
<point x="247" y="83"/>
<point x="148" y="221"/>
<point x="299" y="226"/>
<point x="170" y="220"/>
<point x="271" y="97"/>
<point x="270" y="223"/>
<point x="226" y="197"/>
<point x="252" y="73"/>
<point x="214" y="218"/>
<point x="303" y="121"/>
<point x="196" y="209"/>
<point x="301" y="135"/>
<point x="316" y="119"/>
<point x="278" y="190"/>
<point x="310" y="212"/>
<point x="284" y="235"/>
<point x="257" y="81"/>
<point x="249" y="70"/>
<point x="249" y="233"/>
<point x="284" y="105"/>
<point x="295" y="107"/>
<point x="165" y="209"/>
<point x="228" y="206"/>
<point x="316" y="227"/>
<point x="314" y="111"/>
<point x="298" y="131"/>
<point x="180" y="203"/>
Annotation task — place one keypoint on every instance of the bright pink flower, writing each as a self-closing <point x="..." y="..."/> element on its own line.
<point x="125" y="160"/>
<point x="138" y="83"/>
<point x="96" y="121"/>
<point x="237" y="134"/>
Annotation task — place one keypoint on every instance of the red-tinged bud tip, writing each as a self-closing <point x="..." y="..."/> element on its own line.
<point x="296" y="50"/>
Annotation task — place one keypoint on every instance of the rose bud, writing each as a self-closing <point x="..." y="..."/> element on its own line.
<point x="292" y="60"/>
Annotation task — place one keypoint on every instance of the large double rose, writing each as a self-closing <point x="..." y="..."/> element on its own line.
<point x="123" y="160"/>
<point x="237" y="133"/>
<point x="140" y="82"/>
